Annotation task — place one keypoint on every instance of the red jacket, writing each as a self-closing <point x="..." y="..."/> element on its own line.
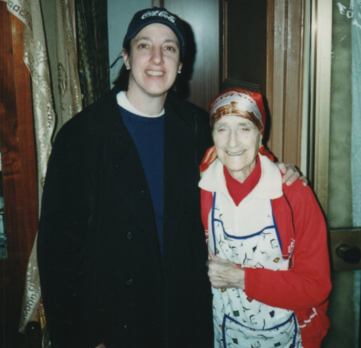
<point x="306" y="286"/>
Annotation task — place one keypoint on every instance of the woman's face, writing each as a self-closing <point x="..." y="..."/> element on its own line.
<point x="154" y="61"/>
<point x="237" y="141"/>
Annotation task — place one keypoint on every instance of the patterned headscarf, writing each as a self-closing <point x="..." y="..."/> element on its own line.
<point x="239" y="102"/>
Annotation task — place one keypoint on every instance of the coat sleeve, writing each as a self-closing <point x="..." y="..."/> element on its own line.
<point x="66" y="209"/>
<point x="307" y="284"/>
<point x="203" y="132"/>
<point x="199" y="120"/>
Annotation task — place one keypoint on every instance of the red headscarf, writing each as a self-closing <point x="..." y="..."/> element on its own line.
<point x="235" y="102"/>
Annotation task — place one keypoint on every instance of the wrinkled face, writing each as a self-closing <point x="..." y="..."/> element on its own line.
<point x="154" y="61"/>
<point x="237" y="141"/>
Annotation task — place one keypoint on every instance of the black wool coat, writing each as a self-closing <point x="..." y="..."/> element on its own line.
<point x="102" y="275"/>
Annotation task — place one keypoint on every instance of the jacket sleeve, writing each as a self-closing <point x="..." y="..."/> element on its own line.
<point x="199" y="121"/>
<point x="203" y="131"/>
<point x="66" y="208"/>
<point x="307" y="284"/>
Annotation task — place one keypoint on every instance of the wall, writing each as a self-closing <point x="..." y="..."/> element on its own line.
<point x="120" y="12"/>
<point x="345" y="297"/>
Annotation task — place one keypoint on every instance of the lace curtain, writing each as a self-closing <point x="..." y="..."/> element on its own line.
<point x="69" y="95"/>
<point x="36" y="59"/>
<point x="50" y="53"/>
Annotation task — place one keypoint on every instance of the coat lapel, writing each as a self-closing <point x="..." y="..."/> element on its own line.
<point x="176" y="161"/>
<point x="129" y="178"/>
<point x="126" y="169"/>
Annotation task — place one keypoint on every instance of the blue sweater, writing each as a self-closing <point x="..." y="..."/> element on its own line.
<point x="148" y="136"/>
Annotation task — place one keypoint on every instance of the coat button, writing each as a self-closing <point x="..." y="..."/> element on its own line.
<point x="126" y="328"/>
<point x="129" y="235"/>
<point x="130" y="282"/>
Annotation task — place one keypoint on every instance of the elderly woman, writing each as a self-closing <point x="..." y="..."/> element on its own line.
<point x="268" y="258"/>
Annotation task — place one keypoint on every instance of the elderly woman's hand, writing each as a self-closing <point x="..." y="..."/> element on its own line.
<point x="224" y="274"/>
<point x="291" y="174"/>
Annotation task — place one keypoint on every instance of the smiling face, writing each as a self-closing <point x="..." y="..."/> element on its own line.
<point x="237" y="141"/>
<point x="154" y="62"/>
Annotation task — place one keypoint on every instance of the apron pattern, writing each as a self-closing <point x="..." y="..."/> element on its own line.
<point x="240" y="321"/>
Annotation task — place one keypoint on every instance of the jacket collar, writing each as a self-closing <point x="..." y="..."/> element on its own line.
<point x="131" y="181"/>
<point x="268" y="187"/>
<point x="179" y="150"/>
<point x="129" y="178"/>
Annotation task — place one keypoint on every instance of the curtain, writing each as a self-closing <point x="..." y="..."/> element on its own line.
<point x="50" y="53"/>
<point x="93" y="49"/>
<point x="63" y="58"/>
<point x="36" y="59"/>
<point x="67" y="92"/>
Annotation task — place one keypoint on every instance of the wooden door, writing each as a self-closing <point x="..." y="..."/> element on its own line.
<point x="262" y="49"/>
<point x="201" y="65"/>
<point x="254" y="44"/>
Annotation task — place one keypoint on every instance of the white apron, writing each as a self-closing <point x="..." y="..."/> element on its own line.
<point x="239" y="321"/>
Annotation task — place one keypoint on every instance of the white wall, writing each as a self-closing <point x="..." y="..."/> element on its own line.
<point x="120" y="13"/>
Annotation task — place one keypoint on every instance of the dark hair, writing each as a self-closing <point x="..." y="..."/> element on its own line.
<point x="122" y="79"/>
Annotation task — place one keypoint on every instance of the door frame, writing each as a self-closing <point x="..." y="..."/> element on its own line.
<point x="285" y="71"/>
<point x="286" y="46"/>
<point x="320" y="88"/>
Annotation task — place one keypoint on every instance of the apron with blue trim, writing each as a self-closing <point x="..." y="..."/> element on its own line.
<point x="240" y="321"/>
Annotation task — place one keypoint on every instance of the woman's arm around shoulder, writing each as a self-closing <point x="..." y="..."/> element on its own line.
<point x="307" y="284"/>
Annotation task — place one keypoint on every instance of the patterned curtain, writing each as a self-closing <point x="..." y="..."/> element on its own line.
<point x="62" y="50"/>
<point x="36" y="59"/>
<point x="67" y="92"/>
<point x="92" y="33"/>
<point x="57" y="90"/>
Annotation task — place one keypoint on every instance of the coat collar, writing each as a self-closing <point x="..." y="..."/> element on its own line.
<point x="126" y="169"/>
<point x="130" y="179"/>
<point x="268" y="187"/>
<point x="179" y="150"/>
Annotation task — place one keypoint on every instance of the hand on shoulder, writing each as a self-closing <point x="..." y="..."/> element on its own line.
<point x="291" y="173"/>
